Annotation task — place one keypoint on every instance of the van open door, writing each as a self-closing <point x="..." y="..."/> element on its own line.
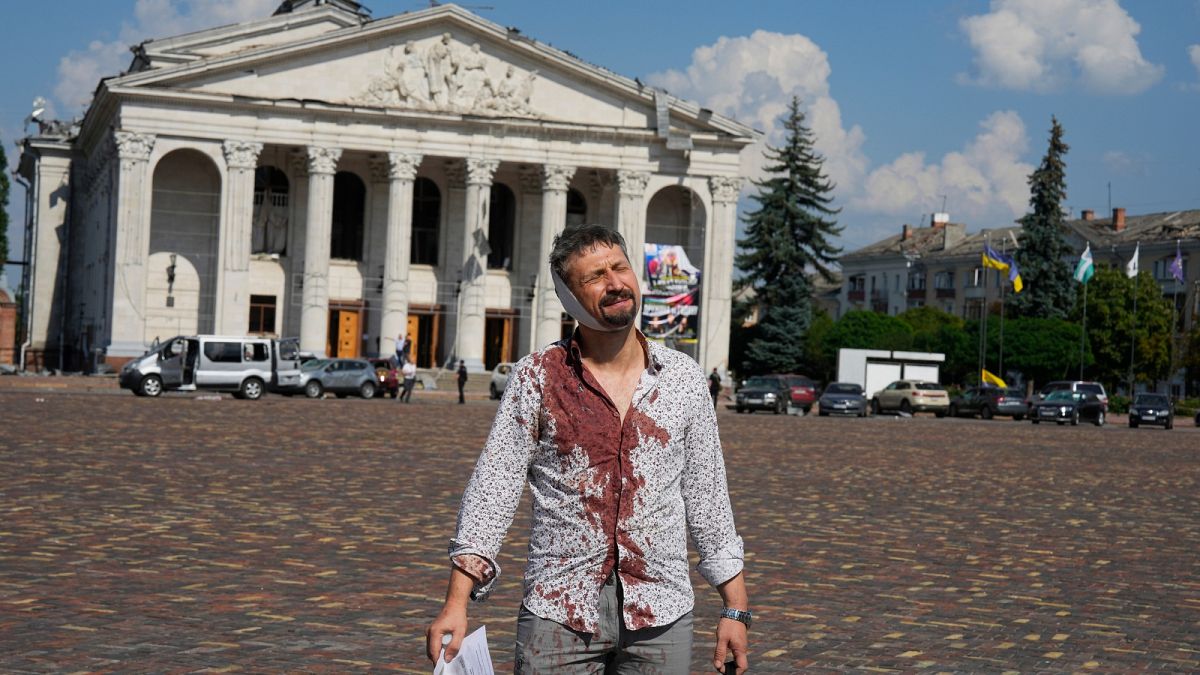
<point x="171" y="357"/>
<point x="285" y="364"/>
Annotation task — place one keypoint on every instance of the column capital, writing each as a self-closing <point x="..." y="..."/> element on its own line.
<point x="725" y="189"/>
<point x="481" y="171"/>
<point x="403" y="165"/>
<point x="632" y="183"/>
<point x="322" y="160"/>
<point x="556" y="177"/>
<point x="242" y="154"/>
<point x="132" y="145"/>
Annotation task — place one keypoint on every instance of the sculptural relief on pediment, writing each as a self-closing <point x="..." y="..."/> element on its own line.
<point x="449" y="76"/>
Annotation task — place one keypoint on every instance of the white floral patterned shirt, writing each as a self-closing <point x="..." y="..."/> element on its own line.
<point x="606" y="495"/>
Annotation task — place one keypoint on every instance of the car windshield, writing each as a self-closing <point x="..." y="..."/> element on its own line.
<point x="762" y="382"/>
<point x="1064" y="395"/>
<point x="315" y="364"/>
<point x="928" y="386"/>
<point x="1090" y="389"/>
<point x="1151" y="399"/>
<point x="842" y="388"/>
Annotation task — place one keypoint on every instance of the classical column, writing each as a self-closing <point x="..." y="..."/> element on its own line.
<point x="314" y="313"/>
<point x="237" y="215"/>
<point x="402" y="172"/>
<point x="128" y="318"/>
<point x="716" y="291"/>
<point x="555" y="182"/>
<point x="631" y="217"/>
<point x="471" y="299"/>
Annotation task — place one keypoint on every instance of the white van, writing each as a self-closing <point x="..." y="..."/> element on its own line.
<point x="246" y="366"/>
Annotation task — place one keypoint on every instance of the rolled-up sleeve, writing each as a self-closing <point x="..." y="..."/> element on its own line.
<point x="494" y="490"/>
<point x="706" y="495"/>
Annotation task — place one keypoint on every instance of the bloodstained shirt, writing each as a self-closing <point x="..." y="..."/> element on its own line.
<point x="607" y="495"/>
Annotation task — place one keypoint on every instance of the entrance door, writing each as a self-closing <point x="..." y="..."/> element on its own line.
<point x="423" y="330"/>
<point x="414" y="339"/>
<point x="497" y="341"/>
<point x="344" y="331"/>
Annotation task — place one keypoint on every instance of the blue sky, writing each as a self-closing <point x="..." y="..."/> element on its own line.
<point x="913" y="101"/>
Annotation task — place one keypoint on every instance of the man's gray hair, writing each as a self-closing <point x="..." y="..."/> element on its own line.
<point x="579" y="238"/>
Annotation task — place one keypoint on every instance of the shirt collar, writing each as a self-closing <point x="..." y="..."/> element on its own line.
<point x="650" y="357"/>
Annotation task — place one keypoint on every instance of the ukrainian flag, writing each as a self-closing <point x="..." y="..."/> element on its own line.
<point x="989" y="378"/>
<point x="1005" y="263"/>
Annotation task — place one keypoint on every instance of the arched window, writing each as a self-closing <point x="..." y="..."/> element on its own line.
<point x="269" y="233"/>
<point x="349" y="208"/>
<point x="426" y="217"/>
<point x="576" y="207"/>
<point x="502" y="216"/>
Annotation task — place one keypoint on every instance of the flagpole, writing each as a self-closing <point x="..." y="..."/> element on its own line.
<point x="1000" y="366"/>
<point x="1083" y="332"/>
<point x="1133" y="334"/>
<point x="983" y="320"/>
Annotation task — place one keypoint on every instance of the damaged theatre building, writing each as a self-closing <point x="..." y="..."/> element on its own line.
<point x="322" y="174"/>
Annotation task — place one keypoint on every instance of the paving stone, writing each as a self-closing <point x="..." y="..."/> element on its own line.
<point x="180" y="534"/>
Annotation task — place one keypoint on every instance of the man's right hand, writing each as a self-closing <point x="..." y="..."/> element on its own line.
<point x="453" y="622"/>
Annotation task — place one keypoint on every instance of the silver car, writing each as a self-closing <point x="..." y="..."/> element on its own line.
<point x="341" y="377"/>
<point x="843" y="398"/>
<point x="499" y="379"/>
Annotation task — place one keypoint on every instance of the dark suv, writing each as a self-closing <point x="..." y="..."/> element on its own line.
<point x="764" y="392"/>
<point x="987" y="402"/>
<point x="1071" y="385"/>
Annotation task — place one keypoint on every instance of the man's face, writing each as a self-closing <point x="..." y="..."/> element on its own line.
<point x="605" y="284"/>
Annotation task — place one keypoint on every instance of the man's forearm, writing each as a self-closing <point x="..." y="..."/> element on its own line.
<point x="733" y="593"/>
<point x="458" y="591"/>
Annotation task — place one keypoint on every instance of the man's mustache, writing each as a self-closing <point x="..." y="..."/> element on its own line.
<point x="615" y="297"/>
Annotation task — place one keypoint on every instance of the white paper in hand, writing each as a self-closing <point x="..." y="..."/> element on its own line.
<point x="473" y="657"/>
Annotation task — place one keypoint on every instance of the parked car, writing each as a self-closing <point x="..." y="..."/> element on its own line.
<point x="763" y="392"/>
<point x="912" y="396"/>
<point x="340" y="377"/>
<point x="1152" y="409"/>
<point x="1071" y="385"/>
<point x="842" y="398"/>
<point x="246" y="366"/>
<point x="803" y="391"/>
<point x="499" y="379"/>
<point x="387" y="377"/>
<point x="987" y="402"/>
<point x="1064" y="406"/>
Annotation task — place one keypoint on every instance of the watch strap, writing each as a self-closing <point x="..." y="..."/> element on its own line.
<point x="737" y="615"/>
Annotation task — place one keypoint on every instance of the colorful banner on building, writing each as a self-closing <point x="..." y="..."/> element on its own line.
<point x="671" y="303"/>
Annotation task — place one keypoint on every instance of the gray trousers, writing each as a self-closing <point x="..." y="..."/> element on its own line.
<point x="545" y="646"/>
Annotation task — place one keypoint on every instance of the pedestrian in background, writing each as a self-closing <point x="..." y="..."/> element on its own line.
<point x="462" y="380"/>
<point x="714" y="386"/>
<point x="402" y="343"/>
<point x="409" y="371"/>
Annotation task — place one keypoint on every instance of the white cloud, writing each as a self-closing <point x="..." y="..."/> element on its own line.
<point x="752" y="79"/>
<point x="1121" y="162"/>
<point x="1042" y="45"/>
<point x="80" y="71"/>
<point x="1194" y="55"/>
<point x="983" y="182"/>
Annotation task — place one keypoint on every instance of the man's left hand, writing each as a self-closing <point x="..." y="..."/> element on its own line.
<point x="731" y="640"/>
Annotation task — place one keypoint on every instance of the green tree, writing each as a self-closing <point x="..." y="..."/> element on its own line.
<point x="868" y="330"/>
<point x="4" y="187"/>
<point x="1112" y="327"/>
<point x="927" y="324"/>
<point x="788" y="236"/>
<point x="1042" y="258"/>
<point x="1040" y="349"/>
<point x="820" y="361"/>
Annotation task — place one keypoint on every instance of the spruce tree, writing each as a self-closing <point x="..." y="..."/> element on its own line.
<point x="1043" y="256"/>
<point x="788" y="237"/>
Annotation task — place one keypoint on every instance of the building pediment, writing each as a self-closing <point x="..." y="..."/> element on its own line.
<point x="443" y="60"/>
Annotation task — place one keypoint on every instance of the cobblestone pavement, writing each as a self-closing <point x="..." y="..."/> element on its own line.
<point x="188" y="534"/>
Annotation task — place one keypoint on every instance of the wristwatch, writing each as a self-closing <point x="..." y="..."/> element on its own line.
<point x="737" y="615"/>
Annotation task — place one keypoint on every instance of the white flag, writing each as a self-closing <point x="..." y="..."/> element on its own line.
<point x="1131" y="267"/>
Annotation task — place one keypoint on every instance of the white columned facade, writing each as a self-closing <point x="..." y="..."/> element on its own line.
<point x="556" y="180"/>
<point x="472" y="298"/>
<point x="631" y="217"/>
<point x="402" y="172"/>
<point x="314" y="314"/>
<point x="237" y="215"/>
<point x="716" y="293"/>
<point x="128" y="318"/>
